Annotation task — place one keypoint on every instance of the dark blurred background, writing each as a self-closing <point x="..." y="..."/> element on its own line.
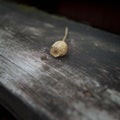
<point x="5" y="114"/>
<point x="101" y="14"/>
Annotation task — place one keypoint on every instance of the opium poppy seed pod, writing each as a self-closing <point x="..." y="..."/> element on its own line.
<point x="60" y="47"/>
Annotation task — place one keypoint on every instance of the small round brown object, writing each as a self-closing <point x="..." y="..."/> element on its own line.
<point x="60" y="48"/>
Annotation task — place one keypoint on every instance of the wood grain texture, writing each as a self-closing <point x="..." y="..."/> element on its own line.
<point x="84" y="85"/>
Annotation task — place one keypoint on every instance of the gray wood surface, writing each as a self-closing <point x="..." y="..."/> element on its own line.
<point x="84" y="85"/>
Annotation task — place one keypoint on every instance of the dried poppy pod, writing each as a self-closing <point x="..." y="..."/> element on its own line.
<point x="60" y="48"/>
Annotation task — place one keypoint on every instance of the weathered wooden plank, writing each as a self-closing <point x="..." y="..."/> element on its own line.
<point x="82" y="85"/>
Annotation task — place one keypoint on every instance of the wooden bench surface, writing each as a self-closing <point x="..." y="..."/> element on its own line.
<point x="83" y="85"/>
